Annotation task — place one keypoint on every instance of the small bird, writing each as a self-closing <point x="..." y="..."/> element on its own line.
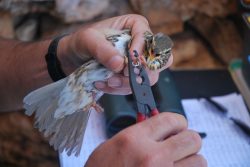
<point x="62" y="108"/>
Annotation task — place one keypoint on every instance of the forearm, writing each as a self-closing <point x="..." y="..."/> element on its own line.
<point x="22" y="69"/>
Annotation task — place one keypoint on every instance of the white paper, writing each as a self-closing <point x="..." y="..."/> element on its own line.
<point x="224" y="146"/>
<point x="95" y="135"/>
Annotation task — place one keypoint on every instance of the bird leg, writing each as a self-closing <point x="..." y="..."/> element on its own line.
<point x="97" y="107"/>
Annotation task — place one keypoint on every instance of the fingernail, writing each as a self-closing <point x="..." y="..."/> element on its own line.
<point x="115" y="82"/>
<point x="116" y="63"/>
<point x="100" y="84"/>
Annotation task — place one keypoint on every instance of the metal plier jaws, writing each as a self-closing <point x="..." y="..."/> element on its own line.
<point x="141" y="89"/>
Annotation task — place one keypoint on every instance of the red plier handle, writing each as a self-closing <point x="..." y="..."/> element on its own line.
<point x="141" y="89"/>
<point x="141" y="117"/>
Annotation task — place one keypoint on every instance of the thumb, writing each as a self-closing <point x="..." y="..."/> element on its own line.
<point x="104" y="52"/>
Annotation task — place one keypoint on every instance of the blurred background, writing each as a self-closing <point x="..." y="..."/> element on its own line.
<point x="207" y="34"/>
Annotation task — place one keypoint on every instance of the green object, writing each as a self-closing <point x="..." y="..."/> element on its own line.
<point x="166" y="94"/>
<point x="120" y="111"/>
<point x="235" y="64"/>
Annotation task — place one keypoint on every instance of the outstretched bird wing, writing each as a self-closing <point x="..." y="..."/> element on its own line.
<point x="62" y="108"/>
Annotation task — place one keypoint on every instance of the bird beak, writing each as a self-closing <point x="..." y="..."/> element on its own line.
<point x="151" y="55"/>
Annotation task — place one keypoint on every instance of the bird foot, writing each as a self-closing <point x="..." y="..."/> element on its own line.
<point x="97" y="107"/>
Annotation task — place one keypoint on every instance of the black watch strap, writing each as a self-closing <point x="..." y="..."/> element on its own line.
<point x="53" y="64"/>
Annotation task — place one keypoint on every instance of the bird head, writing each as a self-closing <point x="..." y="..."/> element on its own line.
<point x="157" y="50"/>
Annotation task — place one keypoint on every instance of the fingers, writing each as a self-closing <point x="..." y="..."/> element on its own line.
<point x="117" y="84"/>
<point x="118" y="81"/>
<point x="192" y="161"/>
<point x="103" y="51"/>
<point x="103" y="86"/>
<point x="106" y="54"/>
<point x="125" y="71"/>
<point x="182" y="145"/>
<point x="153" y="76"/>
<point x="139" y="25"/>
<point x="161" y="126"/>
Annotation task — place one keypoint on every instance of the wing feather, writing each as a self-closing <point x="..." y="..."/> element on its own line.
<point x="62" y="108"/>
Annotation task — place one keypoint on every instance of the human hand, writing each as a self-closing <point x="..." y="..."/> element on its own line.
<point x="162" y="141"/>
<point x="91" y="40"/>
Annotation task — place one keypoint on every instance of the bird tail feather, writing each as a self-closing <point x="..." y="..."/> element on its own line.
<point x="64" y="133"/>
<point x="42" y="96"/>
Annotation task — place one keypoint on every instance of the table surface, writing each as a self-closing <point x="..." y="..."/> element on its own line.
<point x="196" y="83"/>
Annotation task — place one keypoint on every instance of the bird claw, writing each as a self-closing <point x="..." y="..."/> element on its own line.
<point x="97" y="107"/>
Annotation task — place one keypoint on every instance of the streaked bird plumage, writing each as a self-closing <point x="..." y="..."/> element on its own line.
<point x="62" y="108"/>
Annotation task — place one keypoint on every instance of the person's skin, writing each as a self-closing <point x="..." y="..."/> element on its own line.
<point x="159" y="141"/>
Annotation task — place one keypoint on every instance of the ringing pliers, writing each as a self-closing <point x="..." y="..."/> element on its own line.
<point x="141" y="89"/>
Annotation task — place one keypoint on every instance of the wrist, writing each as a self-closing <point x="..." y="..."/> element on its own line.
<point x="66" y="55"/>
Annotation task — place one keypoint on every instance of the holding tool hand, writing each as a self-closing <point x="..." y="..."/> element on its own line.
<point x="141" y="89"/>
